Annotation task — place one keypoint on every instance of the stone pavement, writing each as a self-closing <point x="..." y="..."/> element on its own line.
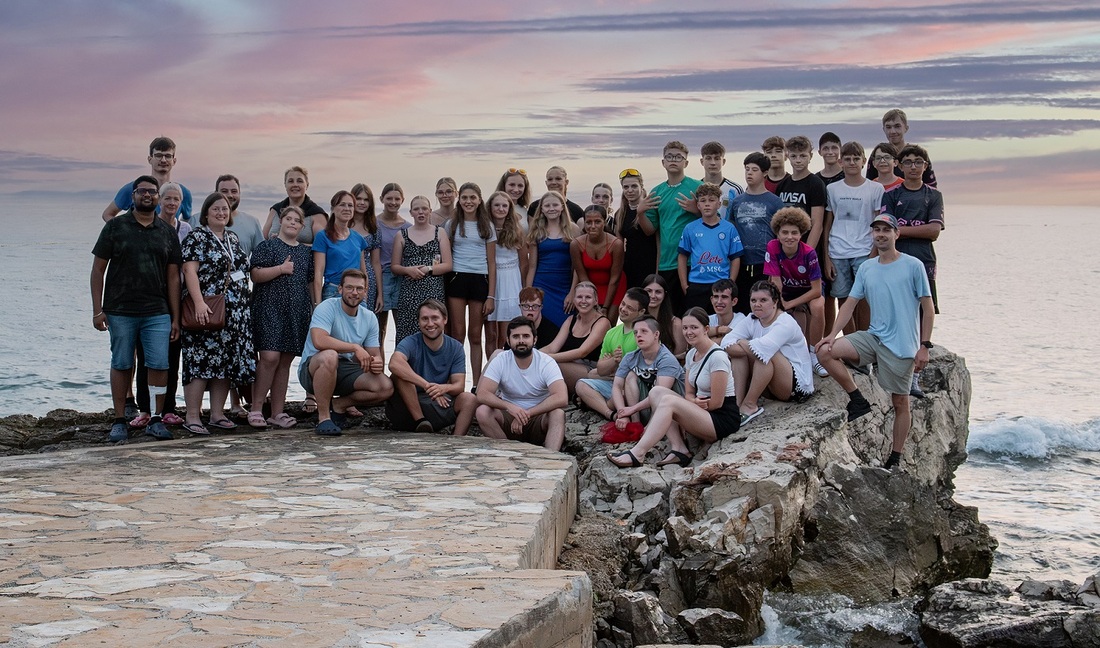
<point x="287" y="539"/>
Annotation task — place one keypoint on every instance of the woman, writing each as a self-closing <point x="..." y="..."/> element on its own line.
<point x="551" y="268"/>
<point x="672" y="333"/>
<point x="577" y="345"/>
<point x="472" y="284"/>
<point x="296" y="181"/>
<point x="421" y="259"/>
<point x="884" y="158"/>
<point x="640" y="244"/>
<point x="213" y="263"/>
<point x="446" y="192"/>
<point x="389" y="227"/>
<point x="602" y="195"/>
<point x="514" y="183"/>
<point x="282" y="269"/>
<point x="366" y="223"/>
<point x="598" y="257"/>
<point x="768" y="352"/>
<point x="511" y="254"/>
<point x="707" y="410"/>
<point x="337" y="248"/>
<point x="171" y="197"/>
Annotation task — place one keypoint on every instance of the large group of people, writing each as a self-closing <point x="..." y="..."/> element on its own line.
<point x="681" y="309"/>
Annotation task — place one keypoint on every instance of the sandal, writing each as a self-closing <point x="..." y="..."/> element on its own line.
<point x="309" y="405"/>
<point x="634" y="463"/>
<point x="676" y="457"/>
<point x="171" y="418"/>
<point x="256" y="420"/>
<point x="196" y="428"/>
<point x="283" y="421"/>
<point x="224" y="424"/>
<point x="140" y="421"/>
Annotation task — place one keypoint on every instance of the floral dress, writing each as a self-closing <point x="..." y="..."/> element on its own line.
<point x="226" y="353"/>
<point x="415" y="291"/>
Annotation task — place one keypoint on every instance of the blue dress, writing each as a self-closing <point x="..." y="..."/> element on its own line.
<point x="554" y="275"/>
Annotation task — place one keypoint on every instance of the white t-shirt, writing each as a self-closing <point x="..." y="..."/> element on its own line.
<point x="524" y="387"/>
<point x="698" y="375"/>
<point x="737" y="317"/>
<point x="853" y="210"/>
<point x="785" y="337"/>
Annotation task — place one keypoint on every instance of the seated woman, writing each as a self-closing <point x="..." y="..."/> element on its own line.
<point x="707" y="410"/>
<point x="768" y="352"/>
<point x="576" y="348"/>
<point x="672" y="332"/>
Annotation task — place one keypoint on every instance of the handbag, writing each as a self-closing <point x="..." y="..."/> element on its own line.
<point x="216" y="304"/>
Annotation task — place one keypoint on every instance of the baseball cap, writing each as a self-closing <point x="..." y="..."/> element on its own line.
<point x="885" y="218"/>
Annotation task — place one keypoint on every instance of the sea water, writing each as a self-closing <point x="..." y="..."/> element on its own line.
<point x="1019" y="301"/>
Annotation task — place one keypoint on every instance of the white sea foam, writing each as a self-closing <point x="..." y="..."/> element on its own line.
<point x="1027" y="436"/>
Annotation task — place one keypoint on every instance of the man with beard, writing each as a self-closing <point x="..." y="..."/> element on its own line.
<point x="522" y="394"/>
<point x="162" y="157"/>
<point x="429" y="375"/>
<point x="135" y="286"/>
<point x="558" y="180"/>
<point x="342" y="356"/>
<point x="245" y="226"/>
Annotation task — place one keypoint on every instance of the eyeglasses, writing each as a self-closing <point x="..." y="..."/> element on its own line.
<point x="530" y="307"/>
<point x="522" y="172"/>
<point x="164" y="156"/>
<point x="631" y="173"/>
<point x="883" y="158"/>
<point x="145" y="192"/>
<point x="674" y="157"/>
<point x="909" y="164"/>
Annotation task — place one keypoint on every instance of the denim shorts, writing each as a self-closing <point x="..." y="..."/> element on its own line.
<point x="154" y="331"/>
<point x="601" y="385"/>
<point x="330" y="290"/>
<point x="845" y="275"/>
<point x="391" y="290"/>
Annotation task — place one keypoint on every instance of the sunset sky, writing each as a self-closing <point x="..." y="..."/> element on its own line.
<point x="1004" y="94"/>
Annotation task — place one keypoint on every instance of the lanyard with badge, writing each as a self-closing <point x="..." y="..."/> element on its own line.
<point x="235" y="275"/>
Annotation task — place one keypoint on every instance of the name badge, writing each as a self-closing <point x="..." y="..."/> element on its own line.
<point x="237" y="276"/>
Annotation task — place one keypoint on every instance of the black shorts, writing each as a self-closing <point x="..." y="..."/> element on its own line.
<point x="726" y="420"/>
<point x="347" y="372"/>
<point x="400" y="419"/>
<point x="468" y="286"/>
<point x="698" y="294"/>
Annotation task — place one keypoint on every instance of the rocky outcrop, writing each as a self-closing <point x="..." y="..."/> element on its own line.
<point x="796" y="500"/>
<point x="975" y="613"/>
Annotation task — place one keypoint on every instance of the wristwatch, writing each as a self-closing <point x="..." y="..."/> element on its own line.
<point x="927" y="344"/>
<point x="429" y="273"/>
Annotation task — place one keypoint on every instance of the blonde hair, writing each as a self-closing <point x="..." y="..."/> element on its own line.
<point x="540" y="226"/>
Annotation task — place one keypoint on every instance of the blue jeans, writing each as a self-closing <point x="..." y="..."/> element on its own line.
<point x="154" y="332"/>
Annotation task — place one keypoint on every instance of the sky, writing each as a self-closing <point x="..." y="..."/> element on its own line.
<point x="1004" y="94"/>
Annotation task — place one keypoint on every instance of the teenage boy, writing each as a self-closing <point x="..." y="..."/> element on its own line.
<point x="342" y="357"/>
<point x="804" y="189"/>
<point x="135" y="297"/>
<point x="162" y="157"/>
<point x="522" y="394"/>
<point x="896" y="287"/>
<point x="709" y="250"/>
<point x="751" y="213"/>
<point x="775" y="147"/>
<point x="713" y="159"/>
<point x="884" y="158"/>
<point x="794" y="269"/>
<point x="672" y="204"/>
<point x="651" y="364"/>
<point x="853" y="204"/>
<point x="530" y="306"/>
<point x="895" y="125"/>
<point x="428" y="370"/>
<point x="919" y="210"/>
<point x="558" y="180"/>
<point x="619" y="340"/>
<point x="723" y="297"/>
<point x="829" y="148"/>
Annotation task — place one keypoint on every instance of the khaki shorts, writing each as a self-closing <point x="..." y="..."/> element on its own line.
<point x="894" y="374"/>
<point x="532" y="433"/>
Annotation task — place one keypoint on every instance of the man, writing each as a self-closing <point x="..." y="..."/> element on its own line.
<point x="246" y="227"/>
<point x="342" y="356"/>
<point x="895" y="125"/>
<point x="135" y="296"/>
<point x="522" y="393"/>
<point x="723" y="298"/>
<point x="428" y="370"/>
<point x="896" y="288"/>
<point x="557" y="180"/>
<point x="162" y="157"/>
<point x="650" y="365"/>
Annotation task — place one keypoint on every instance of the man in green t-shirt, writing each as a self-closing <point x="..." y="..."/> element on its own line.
<point x="595" y="390"/>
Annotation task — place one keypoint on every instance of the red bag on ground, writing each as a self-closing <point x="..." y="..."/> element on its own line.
<point x="612" y="434"/>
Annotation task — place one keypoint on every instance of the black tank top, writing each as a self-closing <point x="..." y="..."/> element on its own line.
<point x="573" y="342"/>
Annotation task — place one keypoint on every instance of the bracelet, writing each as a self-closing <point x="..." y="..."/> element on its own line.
<point x="97" y="314"/>
<point x="491" y="297"/>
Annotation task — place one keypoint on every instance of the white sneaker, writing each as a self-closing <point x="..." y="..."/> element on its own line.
<point x="820" y="370"/>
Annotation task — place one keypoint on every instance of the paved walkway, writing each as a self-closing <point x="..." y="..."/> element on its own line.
<point x="287" y="539"/>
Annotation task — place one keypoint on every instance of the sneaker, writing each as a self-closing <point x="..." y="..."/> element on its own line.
<point x="157" y="430"/>
<point x="745" y="418"/>
<point x="914" y="388"/>
<point x="893" y="461"/>
<point x="328" y="428"/>
<point x="857" y="408"/>
<point x="818" y="368"/>
<point x="118" y="433"/>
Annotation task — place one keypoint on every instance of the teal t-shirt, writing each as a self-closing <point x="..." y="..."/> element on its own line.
<point x="617" y="337"/>
<point x="670" y="220"/>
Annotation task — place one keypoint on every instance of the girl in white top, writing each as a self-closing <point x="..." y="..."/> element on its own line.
<point x="511" y="253"/>
<point x="768" y="352"/>
<point x="472" y="284"/>
<point x="707" y="410"/>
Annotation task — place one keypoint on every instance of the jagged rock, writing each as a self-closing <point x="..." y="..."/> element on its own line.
<point x="1062" y="590"/>
<point x="640" y="614"/>
<point x="870" y="637"/>
<point x="976" y="613"/>
<point x="713" y="625"/>
<point x="1089" y="592"/>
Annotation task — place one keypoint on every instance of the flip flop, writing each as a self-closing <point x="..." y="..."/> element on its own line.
<point x="634" y="463"/>
<point x="676" y="457"/>
<point x="196" y="428"/>
<point x="142" y="420"/>
<point x="224" y="424"/>
<point x="309" y="405"/>
<point x="171" y="418"/>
